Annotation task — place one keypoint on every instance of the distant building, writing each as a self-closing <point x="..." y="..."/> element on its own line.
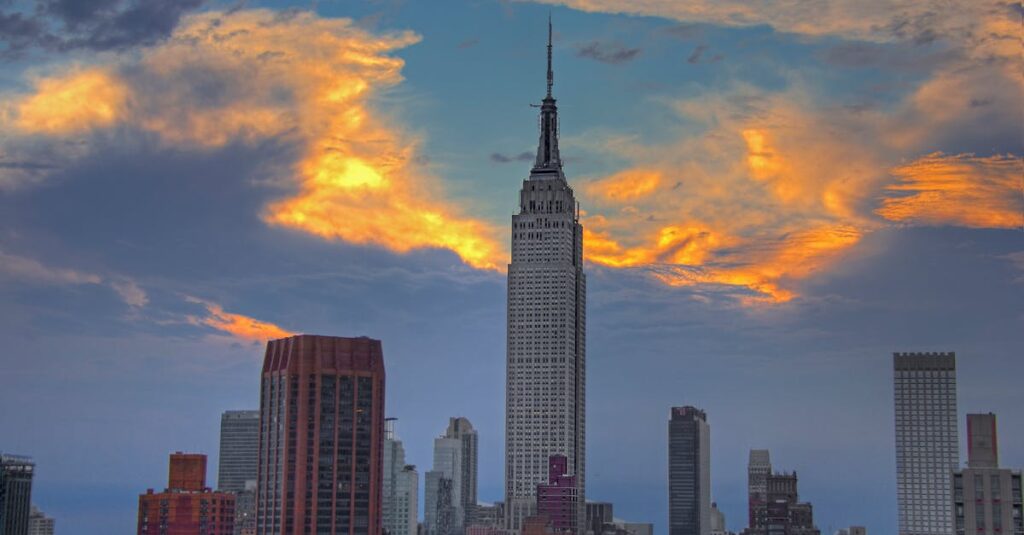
<point x="15" y="493"/>
<point x="245" y="509"/>
<point x="239" y="449"/>
<point x="927" y="448"/>
<point x="986" y="498"/>
<point x="236" y="466"/>
<point x="638" y="528"/>
<point x="759" y="467"/>
<point x="490" y="516"/>
<point x="598" y="514"/>
<point x="401" y="487"/>
<point x="783" y="513"/>
<point x="408" y="497"/>
<point x="438" y="505"/>
<point x="187" y="506"/>
<point x="536" y="525"/>
<point x="460" y="428"/>
<point x="455" y="461"/>
<point x="717" y="521"/>
<point x="853" y="530"/>
<point x="39" y="523"/>
<point x="689" y="472"/>
<point x="557" y="499"/>
<point x="320" y="466"/>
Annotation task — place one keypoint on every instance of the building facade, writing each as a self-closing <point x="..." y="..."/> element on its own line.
<point x="689" y="472"/>
<point x="759" y="467"/>
<point x="438" y="503"/>
<point x="783" y="513"/>
<point x="239" y="449"/>
<point x="187" y="506"/>
<point x="717" y="521"/>
<point x="236" y="467"/>
<point x="39" y="523"/>
<point x="986" y="498"/>
<point x="16" y="473"/>
<point x="927" y="448"/>
<point x="557" y="498"/>
<point x="408" y="505"/>
<point x="321" y="437"/>
<point x="545" y="406"/>
<point x="599" y="514"/>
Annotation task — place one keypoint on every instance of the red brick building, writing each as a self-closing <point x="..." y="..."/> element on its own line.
<point x="321" y="437"/>
<point x="187" y="506"/>
<point x="557" y="500"/>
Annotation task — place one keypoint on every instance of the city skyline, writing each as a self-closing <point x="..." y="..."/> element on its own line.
<point x="772" y="203"/>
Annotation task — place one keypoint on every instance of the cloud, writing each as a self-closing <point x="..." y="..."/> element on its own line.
<point x="236" y="325"/>
<point x="901" y="20"/>
<point x="774" y="187"/>
<point x="628" y="185"/>
<point x="60" y="25"/>
<point x="498" y="157"/>
<point x="962" y="190"/>
<point x="72" y="103"/>
<point x="253" y="75"/>
<point x="130" y="292"/>
<point x="28" y="269"/>
<point x="612" y="53"/>
<point x="696" y="54"/>
<point x="1017" y="259"/>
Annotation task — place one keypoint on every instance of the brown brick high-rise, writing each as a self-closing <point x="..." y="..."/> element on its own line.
<point x="321" y="437"/>
<point x="187" y="506"/>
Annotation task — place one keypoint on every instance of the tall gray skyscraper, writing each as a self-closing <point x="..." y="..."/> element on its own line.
<point x="401" y="486"/>
<point x="689" y="472"/>
<point x="460" y="428"/>
<point x="927" y="450"/>
<point x="239" y="449"/>
<point x="545" y="393"/>
<point x="16" y="473"/>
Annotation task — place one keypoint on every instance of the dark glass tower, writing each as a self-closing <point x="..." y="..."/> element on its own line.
<point x="321" y="437"/>
<point x="15" y="493"/>
<point x="689" y="472"/>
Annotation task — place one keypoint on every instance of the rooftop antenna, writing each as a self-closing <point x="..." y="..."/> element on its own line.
<point x="551" y="74"/>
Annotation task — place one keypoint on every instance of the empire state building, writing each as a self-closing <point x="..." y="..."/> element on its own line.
<point x="545" y="392"/>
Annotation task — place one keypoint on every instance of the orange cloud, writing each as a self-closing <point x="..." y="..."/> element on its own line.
<point x="236" y="325"/>
<point x="299" y="78"/>
<point x="625" y="186"/>
<point x="963" y="189"/>
<point x="72" y="103"/>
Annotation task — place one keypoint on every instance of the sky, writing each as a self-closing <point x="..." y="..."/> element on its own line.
<point x="776" y="197"/>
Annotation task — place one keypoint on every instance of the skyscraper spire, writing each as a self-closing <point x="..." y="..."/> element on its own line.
<point x="551" y="73"/>
<point x="548" y="163"/>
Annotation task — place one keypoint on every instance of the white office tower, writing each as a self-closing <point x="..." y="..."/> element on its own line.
<point x="927" y="449"/>
<point x="396" y="487"/>
<point x="546" y="363"/>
